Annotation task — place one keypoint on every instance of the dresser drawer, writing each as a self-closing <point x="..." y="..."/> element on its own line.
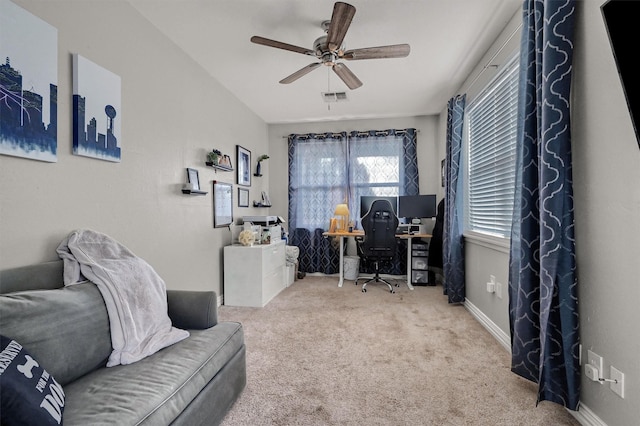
<point x="272" y="284"/>
<point x="420" y="277"/>
<point x="273" y="257"/>
<point x="420" y="246"/>
<point x="419" y="263"/>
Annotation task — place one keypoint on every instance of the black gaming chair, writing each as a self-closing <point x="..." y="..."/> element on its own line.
<point x="379" y="241"/>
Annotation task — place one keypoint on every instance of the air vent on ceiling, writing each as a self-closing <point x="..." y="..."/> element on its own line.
<point x="334" y="96"/>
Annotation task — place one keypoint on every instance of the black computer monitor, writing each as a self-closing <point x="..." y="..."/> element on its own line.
<point x="367" y="200"/>
<point x="417" y="206"/>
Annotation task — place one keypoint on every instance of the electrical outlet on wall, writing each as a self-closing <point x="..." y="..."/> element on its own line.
<point x="617" y="385"/>
<point x="491" y="285"/>
<point x="595" y="361"/>
<point x="499" y="290"/>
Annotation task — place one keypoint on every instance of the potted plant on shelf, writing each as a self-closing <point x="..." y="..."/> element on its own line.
<point x="259" y="167"/>
<point x="213" y="157"/>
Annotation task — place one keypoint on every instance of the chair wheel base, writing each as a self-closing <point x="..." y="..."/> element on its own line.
<point x="377" y="279"/>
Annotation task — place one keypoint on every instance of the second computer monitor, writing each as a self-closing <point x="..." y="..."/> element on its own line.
<point x="367" y="200"/>
<point x="417" y="206"/>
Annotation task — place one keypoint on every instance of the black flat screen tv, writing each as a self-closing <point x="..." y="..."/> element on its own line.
<point x="417" y="206"/>
<point x="621" y="20"/>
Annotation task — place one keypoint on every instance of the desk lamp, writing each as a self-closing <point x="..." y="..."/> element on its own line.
<point x="342" y="213"/>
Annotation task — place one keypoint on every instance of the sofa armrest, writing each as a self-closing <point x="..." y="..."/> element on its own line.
<point x="195" y="310"/>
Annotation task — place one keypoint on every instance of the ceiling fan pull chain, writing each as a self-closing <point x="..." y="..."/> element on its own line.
<point x="328" y="87"/>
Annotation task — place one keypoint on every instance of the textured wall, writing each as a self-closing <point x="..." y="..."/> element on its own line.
<point x="172" y="114"/>
<point x="607" y="205"/>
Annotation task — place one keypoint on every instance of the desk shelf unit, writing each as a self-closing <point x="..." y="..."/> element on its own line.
<point x="253" y="275"/>
<point x="419" y="262"/>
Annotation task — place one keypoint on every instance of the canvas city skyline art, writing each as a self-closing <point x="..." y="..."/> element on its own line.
<point x="96" y="111"/>
<point x="28" y="85"/>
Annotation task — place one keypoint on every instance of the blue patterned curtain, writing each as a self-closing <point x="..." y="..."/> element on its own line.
<point x="453" y="243"/>
<point x="331" y="168"/>
<point x="543" y="299"/>
<point x="318" y="181"/>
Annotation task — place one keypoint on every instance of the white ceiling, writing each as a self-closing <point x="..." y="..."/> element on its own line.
<point x="447" y="38"/>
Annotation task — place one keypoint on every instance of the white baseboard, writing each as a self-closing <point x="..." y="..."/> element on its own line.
<point x="584" y="415"/>
<point x="502" y="337"/>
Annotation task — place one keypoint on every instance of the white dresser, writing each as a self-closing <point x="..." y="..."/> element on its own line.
<point x="253" y="275"/>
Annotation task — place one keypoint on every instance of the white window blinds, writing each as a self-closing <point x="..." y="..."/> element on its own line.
<point x="491" y="141"/>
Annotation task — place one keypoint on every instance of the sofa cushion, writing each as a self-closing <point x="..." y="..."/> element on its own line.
<point x="156" y="389"/>
<point x="41" y="276"/>
<point x="65" y="329"/>
<point x="29" y="394"/>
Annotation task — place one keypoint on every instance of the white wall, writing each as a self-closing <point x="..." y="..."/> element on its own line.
<point x="172" y="114"/>
<point x="607" y="203"/>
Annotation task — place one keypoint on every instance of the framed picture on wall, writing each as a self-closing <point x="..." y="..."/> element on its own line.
<point x="243" y="166"/>
<point x="243" y="197"/>
<point x="193" y="179"/>
<point x="222" y="204"/>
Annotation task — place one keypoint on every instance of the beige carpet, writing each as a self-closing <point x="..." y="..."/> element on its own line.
<point x="322" y="355"/>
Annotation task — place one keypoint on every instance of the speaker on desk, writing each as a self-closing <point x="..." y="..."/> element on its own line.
<point x="422" y="228"/>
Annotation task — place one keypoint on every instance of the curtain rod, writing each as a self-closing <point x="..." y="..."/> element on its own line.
<point x="357" y="131"/>
<point x="488" y="64"/>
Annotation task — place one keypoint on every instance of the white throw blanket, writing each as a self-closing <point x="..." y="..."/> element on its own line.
<point x="133" y="292"/>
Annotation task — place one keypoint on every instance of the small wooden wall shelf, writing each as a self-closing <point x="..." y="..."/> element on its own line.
<point x="193" y="192"/>
<point x="217" y="167"/>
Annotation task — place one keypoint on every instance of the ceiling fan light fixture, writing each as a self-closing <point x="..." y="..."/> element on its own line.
<point x="329" y="59"/>
<point x="330" y="48"/>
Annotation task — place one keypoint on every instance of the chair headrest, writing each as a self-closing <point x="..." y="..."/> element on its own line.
<point x="380" y="206"/>
<point x="380" y="211"/>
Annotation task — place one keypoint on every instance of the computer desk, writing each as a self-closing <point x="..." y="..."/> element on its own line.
<point x="359" y="233"/>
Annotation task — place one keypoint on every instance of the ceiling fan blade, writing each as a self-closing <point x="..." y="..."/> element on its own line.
<point x="303" y="71"/>
<point x="393" y="51"/>
<point x="280" y="45"/>
<point x="340" y="21"/>
<point x="347" y="76"/>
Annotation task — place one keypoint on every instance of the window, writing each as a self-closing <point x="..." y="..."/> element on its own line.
<point x="328" y="169"/>
<point x="491" y="125"/>
<point x="325" y="170"/>
<point x="374" y="168"/>
<point x="317" y="179"/>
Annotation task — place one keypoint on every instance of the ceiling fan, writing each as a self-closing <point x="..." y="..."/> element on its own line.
<point x="329" y="48"/>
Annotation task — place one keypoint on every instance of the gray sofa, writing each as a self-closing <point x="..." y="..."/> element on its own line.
<point x="66" y="329"/>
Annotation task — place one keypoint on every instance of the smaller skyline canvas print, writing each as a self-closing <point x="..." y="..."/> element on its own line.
<point x="96" y="111"/>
